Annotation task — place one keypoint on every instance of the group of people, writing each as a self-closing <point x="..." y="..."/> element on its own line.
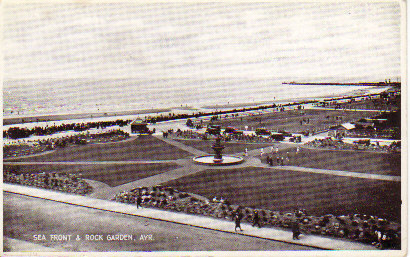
<point x="64" y="182"/>
<point x="38" y="146"/>
<point x="17" y="132"/>
<point x="275" y="157"/>
<point x="280" y="161"/>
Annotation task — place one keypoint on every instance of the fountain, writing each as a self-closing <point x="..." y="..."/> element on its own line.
<point x="218" y="147"/>
<point x="218" y="158"/>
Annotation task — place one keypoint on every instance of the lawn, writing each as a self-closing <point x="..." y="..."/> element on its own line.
<point x="230" y="147"/>
<point x="113" y="174"/>
<point x="290" y="120"/>
<point x="141" y="148"/>
<point x="319" y="194"/>
<point x="356" y="161"/>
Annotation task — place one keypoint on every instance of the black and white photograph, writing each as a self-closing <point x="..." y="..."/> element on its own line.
<point x="198" y="128"/>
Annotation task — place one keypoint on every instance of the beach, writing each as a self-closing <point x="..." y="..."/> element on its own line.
<point x="86" y="116"/>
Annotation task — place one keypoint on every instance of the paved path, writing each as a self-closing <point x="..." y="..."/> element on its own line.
<point x="340" y="173"/>
<point x="16" y="245"/>
<point x="326" y="171"/>
<point x="27" y="156"/>
<point x="186" y="219"/>
<point x="109" y="193"/>
<point x="267" y="150"/>
<point x="97" y="185"/>
<point x="347" y="110"/>
<point x="89" y="162"/>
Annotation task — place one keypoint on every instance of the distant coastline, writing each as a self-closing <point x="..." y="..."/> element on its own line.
<point x="131" y="114"/>
<point x="367" y="84"/>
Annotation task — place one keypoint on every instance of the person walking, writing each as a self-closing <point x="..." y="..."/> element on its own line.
<point x="295" y="229"/>
<point x="139" y="201"/>
<point x="237" y="219"/>
<point x="255" y="220"/>
<point x="262" y="152"/>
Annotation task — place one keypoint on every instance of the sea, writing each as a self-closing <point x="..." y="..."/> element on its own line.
<point x="34" y="97"/>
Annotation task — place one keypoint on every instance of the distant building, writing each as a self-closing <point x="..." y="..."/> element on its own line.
<point x="341" y="130"/>
<point x="347" y="126"/>
<point x="139" y="126"/>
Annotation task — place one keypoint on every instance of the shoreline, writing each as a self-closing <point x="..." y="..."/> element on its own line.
<point x="354" y="93"/>
<point x="73" y="116"/>
<point x="7" y="121"/>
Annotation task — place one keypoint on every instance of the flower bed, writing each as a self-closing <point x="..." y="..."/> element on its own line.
<point x="60" y="182"/>
<point x="357" y="227"/>
<point x="54" y="143"/>
<point x="338" y="144"/>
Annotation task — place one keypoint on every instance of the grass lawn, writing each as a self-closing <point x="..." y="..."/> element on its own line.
<point x="113" y="175"/>
<point x="230" y="148"/>
<point x="290" y="120"/>
<point x="366" y="162"/>
<point x="141" y="148"/>
<point x="319" y="194"/>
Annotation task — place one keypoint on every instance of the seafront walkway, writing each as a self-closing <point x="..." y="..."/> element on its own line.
<point x="186" y="219"/>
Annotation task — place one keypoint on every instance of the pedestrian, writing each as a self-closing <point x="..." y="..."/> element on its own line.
<point x="238" y="218"/>
<point x="262" y="152"/>
<point x="277" y="149"/>
<point x="295" y="229"/>
<point x="246" y="151"/>
<point x="139" y="201"/>
<point x="269" y="160"/>
<point x="255" y="220"/>
<point x="297" y="150"/>
<point x="281" y="161"/>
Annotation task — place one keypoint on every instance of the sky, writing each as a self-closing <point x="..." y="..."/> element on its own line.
<point x="291" y="41"/>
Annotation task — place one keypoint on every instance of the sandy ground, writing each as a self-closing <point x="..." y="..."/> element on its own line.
<point x="25" y="217"/>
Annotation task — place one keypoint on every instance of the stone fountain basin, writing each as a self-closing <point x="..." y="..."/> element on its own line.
<point x="226" y="160"/>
